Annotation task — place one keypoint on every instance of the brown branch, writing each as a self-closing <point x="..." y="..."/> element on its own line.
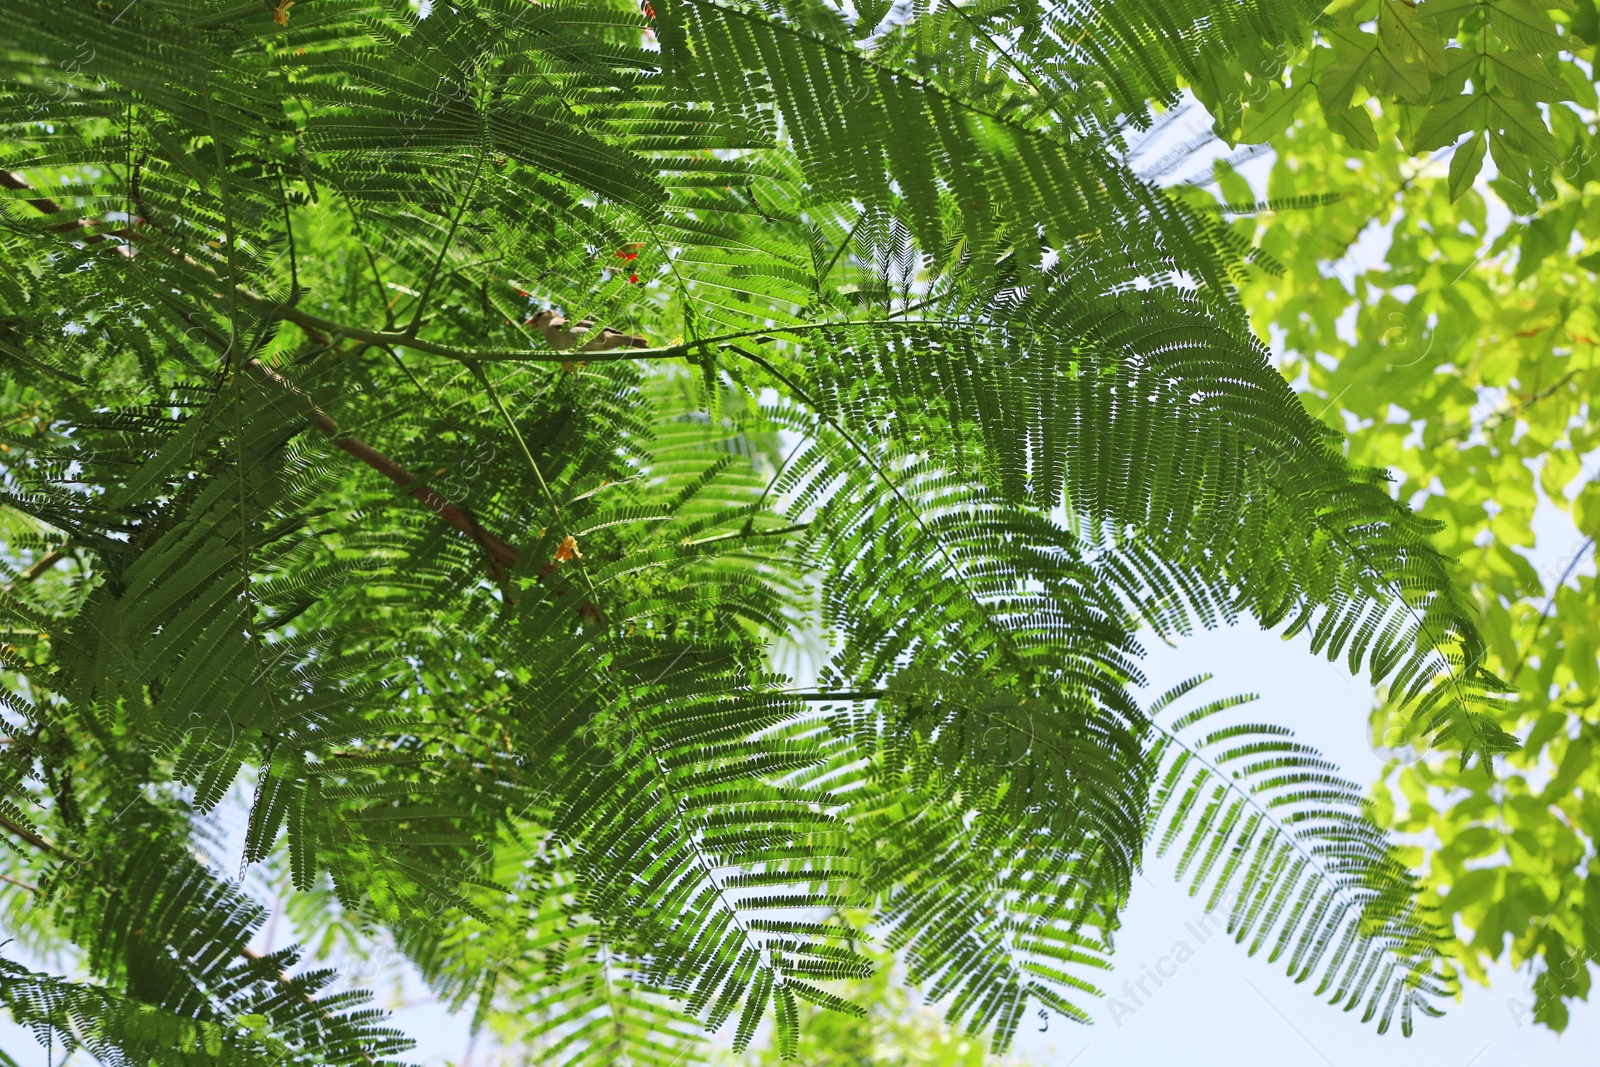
<point x="502" y="557"/>
<point x="604" y="346"/>
<point x="42" y="204"/>
<point x="38" y="567"/>
<point x="45" y="206"/>
<point x="20" y="884"/>
<point x="29" y="836"/>
<point x="558" y="334"/>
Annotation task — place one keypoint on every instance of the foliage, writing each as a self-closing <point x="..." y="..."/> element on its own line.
<point x="1493" y="78"/>
<point x="692" y="332"/>
<point x="895" y="1032"/>
<point x="1469" y="372"/>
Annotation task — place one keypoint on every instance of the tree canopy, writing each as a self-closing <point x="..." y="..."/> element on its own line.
<point x="651" y="508"/>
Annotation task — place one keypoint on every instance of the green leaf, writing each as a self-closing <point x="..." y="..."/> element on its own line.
<point x="1591" y="910"/>
<point x="1586" y="509"/>
<point x="869" y="14"/>
<point x="1446" y="122"/>
<point x="1573" y="765"/>
<point x="1337" y="84"/>
<point x="1355" y="125"/>
<point x="1405" y="38"/>
<point x="1521" y="125"/>
<point x="1447" y="14"/>
<point x="1524" y="78"/>
<point x="1523" y="25"/>
<point x="1460" y="64"/>
<point x="1513" y="192"/>
<point x="1235" y="187"/>
<point x="1273" y="114"/>
<point x="386" y="502"/>
<point x="1586" y="21"/>
<point x="1546" y="234"/>
<point x="1405" y="79"/>
<point x="1472" y="887"/>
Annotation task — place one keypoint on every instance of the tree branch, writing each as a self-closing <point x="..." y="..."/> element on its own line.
<point x="38" y="567"/>
<point x="40" y="843"/>
<point x="20" y="884"/>
<point x="502" y="557"/>
<point x="560" y="335"/>
<point x="607" y="345"/>
<point x="46" y="206"/>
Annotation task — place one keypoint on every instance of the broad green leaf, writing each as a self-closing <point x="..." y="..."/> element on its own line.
<point x="1524" y="78"/>
<point x="1520" y="124"/>
<point x="1405" y="37"/>
<point x="1447" y="121"/>
<point x="1446" y="14"/>
<point x="1548" y="233"/>
<point x="1273" y="114"/>
<point x="1465" y="163"/>
<point x="1355" y="125"/>
<point x="1337" y="84"/>
<point x="1524" y="25"/>
<point x="1405" y="79"/>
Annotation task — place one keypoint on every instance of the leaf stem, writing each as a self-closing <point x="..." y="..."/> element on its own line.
<point x="444" y="249"/>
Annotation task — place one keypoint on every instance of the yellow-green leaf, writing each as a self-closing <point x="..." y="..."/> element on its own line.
<point x="1273" y="114"/>
<point x="1355" y="126"/>
<point x="1337" y="84"/>
<point x="1403" y="36"/>
<point x="1465" y="164"/>
<point x="1447" y="121"/>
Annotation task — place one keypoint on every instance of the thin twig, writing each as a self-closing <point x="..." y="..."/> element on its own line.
<point x="43" y="844"/>
<point x="444" y="249"/>
<point x="35" y="890"/>
<point x="1549" y="605"/>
